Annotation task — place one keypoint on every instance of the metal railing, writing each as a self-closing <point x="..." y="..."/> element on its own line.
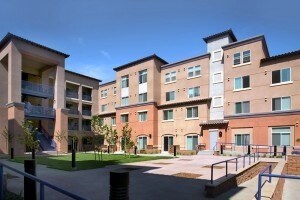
<point x="37" y="89"/>
<point x="73" y="128"/>
<point x="39" y="111"/>
<point x="236" y="164"/>
<point x="87" y="112"/>
<point x="86" y="97"/>
<point x="270" y="176"/>
<point x="73" y="111"/>
<point x="71" y="94"/>
<point x="40" y="181"/>
<point x="86" y="127"/>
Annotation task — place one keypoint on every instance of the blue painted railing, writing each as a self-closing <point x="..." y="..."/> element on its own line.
<point x="40" y="181"/>
<point x="87" y="112"/>
<point x="86" y="97"/>
<point x="270" y="176"/>
<point x="71" y="94"/>
<point x="39" y="111"/>
<point x="37" y="89"/>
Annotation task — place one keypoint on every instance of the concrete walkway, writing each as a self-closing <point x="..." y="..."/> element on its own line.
<point x="291" y="189"/>
<point x="148" y="180"/>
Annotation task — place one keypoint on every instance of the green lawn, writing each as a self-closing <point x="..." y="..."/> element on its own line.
<point x="86" y="160"/>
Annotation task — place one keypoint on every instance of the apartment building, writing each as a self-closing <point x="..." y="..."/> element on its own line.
<point x="234" y="93"/>
<point x="36" y="86"/>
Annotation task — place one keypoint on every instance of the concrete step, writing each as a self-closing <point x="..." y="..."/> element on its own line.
<point x="206" y="152"/>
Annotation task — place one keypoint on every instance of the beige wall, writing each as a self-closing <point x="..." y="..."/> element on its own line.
<point x="110" y="100"/>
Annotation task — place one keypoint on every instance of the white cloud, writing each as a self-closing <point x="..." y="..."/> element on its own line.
<point x="104" y="73"/>
<point x="105" y="54"/>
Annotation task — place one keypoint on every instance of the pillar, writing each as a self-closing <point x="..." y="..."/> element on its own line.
<point x="15" y="120"/>
<point x="59" y="88"/>
<point x="14" y="75"/>
<point x="80" y="107"/>
<point x="61" y="126"/>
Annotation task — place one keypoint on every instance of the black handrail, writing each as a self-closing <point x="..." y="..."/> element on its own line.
<point x="236" y="164"/>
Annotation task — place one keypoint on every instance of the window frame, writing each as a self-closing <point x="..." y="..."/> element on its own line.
<point x="143" y="96"/>
<point x="242" y="110"/>
<point x="213" y="55"/>
<point x="122" y="101"/>
<point x="241" y="58"/>
<point x="222" y="102"/>
<point x="282" y="82"/>
<point x="194" y="72"/>
<point x="168" y="115"/>
<point x="242" y="88"/>
<point x="243" y="143"/>
<point x="170" y="95"/>
<point x="141" y="113"/>
<point x="143" y="77"/>
<point x="281" y="103"/>
<point x="215" y="82"/>
<point x="193" y="92"/>
<point x="193" y="117"/>
<point x="124" y="114"/>
<point x="125" y="78"/>
<point x="104" y="106"/>
<point x="192" y="136"/>
<point x="281" y="133"/>
<point x="171" y="75"/>
<point x="111" y="120"/>
<point x="104" y="93"/>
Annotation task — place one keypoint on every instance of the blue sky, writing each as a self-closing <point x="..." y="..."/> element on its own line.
<point x="100" y="35"/>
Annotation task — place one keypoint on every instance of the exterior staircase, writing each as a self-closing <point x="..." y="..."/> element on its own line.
<point x="45" y="143"/>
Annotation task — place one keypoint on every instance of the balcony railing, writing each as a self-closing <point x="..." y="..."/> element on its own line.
<point x="36" y="89"/>
<point x="86" y="127"/>
<point x="72" y="128"/>
<point x="86" y="97"/>
<point x="72" y="94"/>
<point x="39" y="111"/>
<point x="73" y="111"/>
<point x="87" y="112"/>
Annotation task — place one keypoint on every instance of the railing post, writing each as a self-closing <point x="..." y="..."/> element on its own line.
<point x="284" y="150"/>
<point x="236" y="164"/>
<point x="270" y="171"/>
<point x="119" y="181"/>
<point x="175" y="153"/>
<point x="244" y="161"/>
<point x="275" y="150"/>
<point x="1" y="182"/>
<point x="211" y="174"/>
<point x="259" y="188"/>
<point x="29" y="184"/>
<point x="12" y="153"/>
<point x="249" y="150"/>
<point x="108" y="149"/>
<point x="135" y="150"/>
<point x="42" y="191"/>
<point x="73" y="159"/>
<point x="254" y="157"/>
<point x="221" y="149"/>
<point x="226" y="168"/>
<point x="33" y="153"/>
<point x="249" y="159"/>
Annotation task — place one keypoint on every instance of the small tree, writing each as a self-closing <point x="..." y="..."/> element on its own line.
<point x="127" y="143"/>
<point x="28" y="138"/>
<point x="98" y="130"/>
<point x="60" y="136"/>
<point x="111" y="135"/>
<point x="8" y="136"/>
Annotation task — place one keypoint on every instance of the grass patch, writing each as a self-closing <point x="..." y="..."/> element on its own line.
<point x="86" y="161"/>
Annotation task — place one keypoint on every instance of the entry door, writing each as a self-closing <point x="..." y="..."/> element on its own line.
<point x="168" y="140"/>
<point x="142" y="142"/>
<point x="213" y="139"/>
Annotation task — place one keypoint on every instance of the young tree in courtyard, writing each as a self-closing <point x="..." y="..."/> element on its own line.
<point x="98" y="131"/>
<point x="60" y="136"/>
<point x="8" y="136"/>
<point x="28" y="138"/>
<point x="127" y="142"/>
<point x="111" y="135"/>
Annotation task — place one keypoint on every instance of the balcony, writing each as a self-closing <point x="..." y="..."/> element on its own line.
<point x="36" y="89"/>
<point x="72" y="127"/>
<point x="86" y="127"/>
<point x="87" y="112"/>
<point x="86" y="97"/>
<point x="72" y="94"/>
<point x="73" y="111"/>
<point x="39" y="111"/>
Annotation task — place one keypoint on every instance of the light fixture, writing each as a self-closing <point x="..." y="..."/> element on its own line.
<point x="220" y="134"/>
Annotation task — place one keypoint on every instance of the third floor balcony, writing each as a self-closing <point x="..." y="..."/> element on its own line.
<point x="72" y="94"/>
<point x="39" y="111"/>
<point x="37" y="89"/>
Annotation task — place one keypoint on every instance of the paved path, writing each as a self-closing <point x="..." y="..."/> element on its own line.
<point x="151" y="180"/>
<point x="291" y="189"/>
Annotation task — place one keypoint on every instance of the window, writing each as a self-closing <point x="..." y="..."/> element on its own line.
<point x="113" y="121"/>
<point x="246" y="57"/>
<point x="124" y="118"/>
<point x="192" y="112"/>
<point x="125" y="101"/>
<point x="242" y="139"/>
<point x="217" y="101"/>
<point x="217" y="55"/>
<point x="142" y="116"/>
<point x="194" y="71"/>
<point x="143" y="97"/>
<point x="103" y="93"/>
<point x="281" y="103"/>
<point x="191" y="142"/>
<point x="194" y="92"/>
<point x="281" y="136"/>
<point x="242" y="107"/>
<point x="236" y="59"/>
<point x="241" y="82"/>
<point x="143" y="76"/>
<point x="125" y="81"/>
<point x="168" y="115"/>
<point x="170" y="77"/>
<point x="170" y="96"/>
<point x="115" y="90"/>
<point x="281" y="76"/>
<point x="104" y="107"/>
<point x="217" y="77"/>
<point x="142" y="142"/>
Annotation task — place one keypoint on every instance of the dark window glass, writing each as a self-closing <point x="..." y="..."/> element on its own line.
<point x="246" y="81"/>
<point x="276" y="76"/>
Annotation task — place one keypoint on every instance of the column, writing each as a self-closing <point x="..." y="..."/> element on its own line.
<point x="59" y="88"/>
<point x="80" y="107"/>
<point x="14" y="75"/>
<point x="61" y="126"/>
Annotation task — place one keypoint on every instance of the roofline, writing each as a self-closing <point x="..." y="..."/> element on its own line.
<point x="108" y="83"/>
<point x="280" y="56"/>
<point x="217" y="35"/>
<point x="183" y="103"/>
<point x="9" y="36"/>
<point x="185" y="61"/>
<point x="83" y="75"/>
<point x="247" y="41"/>
<point x="141" y="60"/>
